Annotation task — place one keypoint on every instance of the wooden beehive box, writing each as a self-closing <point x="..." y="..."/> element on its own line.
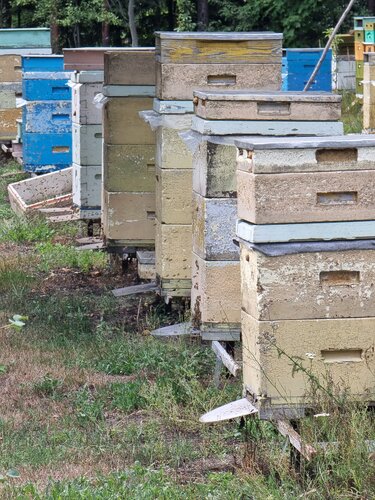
<point x="267" y="105"/>
<point x="130" y="66"/>
<point x="188" y="61"/>
<point x="321" y="180"/>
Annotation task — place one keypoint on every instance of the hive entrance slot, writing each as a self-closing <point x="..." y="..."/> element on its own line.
<point x="342" y="356"/>
<point x="221" y="79"/>
<point x="336" y="155"/>
<point x="273" y="108"/>
<point x="60" y="149"/>
<point x="337" y="198"/>
<point x="339" y="278"/>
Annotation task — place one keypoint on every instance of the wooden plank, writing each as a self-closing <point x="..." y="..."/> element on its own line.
<point x="135" y="289"/>
<point x="221" y="335"/>
<point x="235" y="409"/>
<point x="63" y="218"/>
<point x="295" y="439"/>
<point x="91" y="246"/>
<point x="226" y="358"/>
<point x="87" y="241"/>
<point x="173" y="330"/>
<point x="56" y="210"/>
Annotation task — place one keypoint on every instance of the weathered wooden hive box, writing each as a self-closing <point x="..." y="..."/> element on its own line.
<point x="190" y="61"/>
<point x="53" y="189"/>
<point x="128" y="212"/>
<point x="317" y="291"/>
<point x="87" y="140"/>
<point x="215" y="187"/>
<point x="47" y="114"/>
<point x="186" y="62"/>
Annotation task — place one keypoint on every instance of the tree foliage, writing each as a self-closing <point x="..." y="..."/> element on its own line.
<point x="302" y="22"/>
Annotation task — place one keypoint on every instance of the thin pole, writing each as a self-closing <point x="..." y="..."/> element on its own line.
<point x="328" y="45"/>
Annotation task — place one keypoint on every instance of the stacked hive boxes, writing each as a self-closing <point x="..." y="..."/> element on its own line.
<point x="364" y="42"/>
<point x="14" y="43"/>
<point x="299" y="65"/>
<point x="306" y="302"/>
<point x="87" y="84"/>
<point x="186" y="62"/>
<point x="46" y="121"/>
<point x="216" y="293"/>
<point x="87" y="143"/>
<point x="128" y="210"/>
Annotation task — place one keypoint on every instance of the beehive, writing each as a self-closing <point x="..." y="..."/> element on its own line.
<point x="316" y="291"/>
<point x="47" y="115"/>
<point x="185" y="62"/>
<point x="128" y="212"/>
<point x="216" y="264"/>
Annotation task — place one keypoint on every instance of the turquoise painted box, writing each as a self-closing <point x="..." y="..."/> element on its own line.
<point x="15" y="38"/>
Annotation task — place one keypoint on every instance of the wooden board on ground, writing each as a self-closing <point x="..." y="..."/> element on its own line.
<point x="135" y="289"/>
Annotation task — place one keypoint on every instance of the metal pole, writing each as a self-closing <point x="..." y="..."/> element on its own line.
<point x="328" y="45"/>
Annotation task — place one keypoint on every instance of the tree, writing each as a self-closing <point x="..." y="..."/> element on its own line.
<point x="202" y="14"/>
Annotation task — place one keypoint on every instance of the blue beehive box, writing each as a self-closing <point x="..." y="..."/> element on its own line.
<point x="301" y="64"/>
<point x="42" y="63"/>
<point x="46" y="152"/>
<point x="46" y="86"/>
<point x="48" y="117"/>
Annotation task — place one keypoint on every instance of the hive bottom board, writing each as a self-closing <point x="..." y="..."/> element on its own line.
<point x="129" y="219"/>
<point x="215" y="294"/>
<point x="340" y="352"/>
<point x="174" y="288"/>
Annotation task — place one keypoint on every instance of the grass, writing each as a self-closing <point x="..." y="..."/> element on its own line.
<point x="93" y="407"/>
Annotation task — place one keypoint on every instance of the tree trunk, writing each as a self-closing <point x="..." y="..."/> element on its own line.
<point x="371" y="6"/>
<point x="171" y="15"/>
<point x="5" y="14"/>
<point x="55" y="37"/>
<point x="105" y="26"/>
<point x="202" y="11"/>
<point x="132" y="25"/>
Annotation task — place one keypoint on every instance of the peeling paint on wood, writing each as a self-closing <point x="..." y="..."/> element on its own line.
<point x="316" y="285"/>
<point x="173" y="247"/>
<point x="215" y="293"/>
<point x="214" y="228"/>
<point x="129" y="168"/>
<point x="173" y="195"/>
